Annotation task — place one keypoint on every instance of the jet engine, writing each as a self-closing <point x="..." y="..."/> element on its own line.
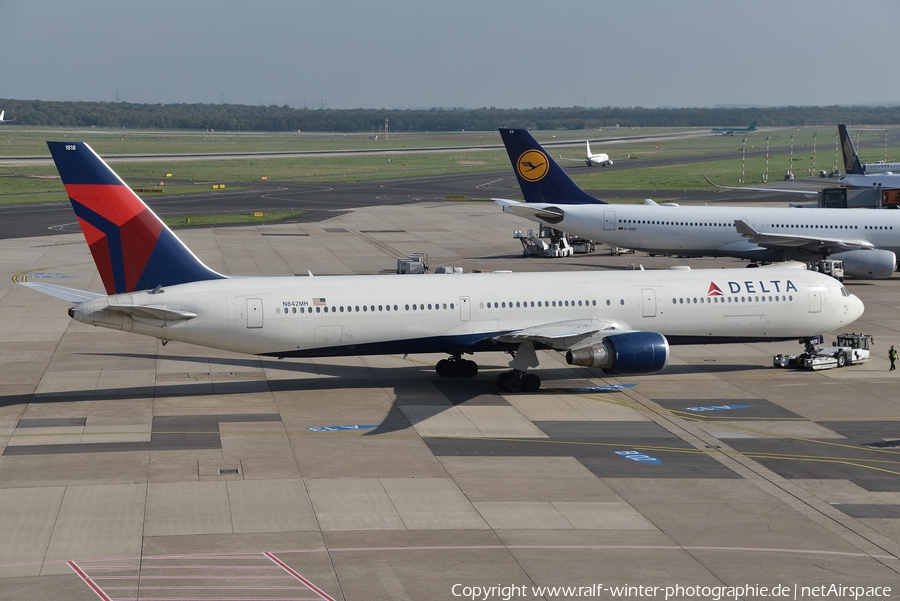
<point x="631" y="353"/>
<point x="867" y="264"/>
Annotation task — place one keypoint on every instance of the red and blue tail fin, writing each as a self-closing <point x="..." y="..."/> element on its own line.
<point x="132" y="248"/>
<point x="540" y="178"/>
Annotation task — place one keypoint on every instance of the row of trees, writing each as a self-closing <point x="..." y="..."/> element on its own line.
<point x="233" y="117"/>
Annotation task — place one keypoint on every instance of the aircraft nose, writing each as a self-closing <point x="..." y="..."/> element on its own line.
<point x="857" y="308"/>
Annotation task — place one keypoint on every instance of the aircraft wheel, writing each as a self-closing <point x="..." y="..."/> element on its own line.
<point x="469" y="369"/>
<point x="441" y="368"/>
<point x="452" y="369"/>
<point x="531" y="382"/>
<point x="514" y="383"/>
<point x="502" y="379"/>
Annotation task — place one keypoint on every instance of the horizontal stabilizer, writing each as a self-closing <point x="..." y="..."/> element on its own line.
<point x="153" y="313"/>
<point x="67" y="294"/>
<point x="540" y="212"/>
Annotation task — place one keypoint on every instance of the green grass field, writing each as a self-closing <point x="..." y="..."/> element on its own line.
<point x="20" y="183"/>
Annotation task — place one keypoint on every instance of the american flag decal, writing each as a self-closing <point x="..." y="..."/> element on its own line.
<point x="319" y="302"/>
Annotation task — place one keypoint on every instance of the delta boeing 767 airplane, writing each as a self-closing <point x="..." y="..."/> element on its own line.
<point x="866" y="241"/>
<point x="621" y="322"/>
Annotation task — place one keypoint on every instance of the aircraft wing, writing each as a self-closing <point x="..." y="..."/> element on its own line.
<point x="562" y="158"/>
<point x="537" y="211"/>
<point x="563" y="334"/>
<point x="61" y="292"/>
<point x="751" y="188"/>
<point x="814" y="244"/>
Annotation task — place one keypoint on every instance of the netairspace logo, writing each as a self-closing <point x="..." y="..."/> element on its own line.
<point x="712" y="593"/>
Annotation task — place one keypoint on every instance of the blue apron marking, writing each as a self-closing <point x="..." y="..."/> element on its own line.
<point x="638" y="456"/>
<point x="716" y="408"/>
<point x="606" y="388"/>
<point x="339" y="428"/>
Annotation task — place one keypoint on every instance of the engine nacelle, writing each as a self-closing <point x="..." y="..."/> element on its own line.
<point x="874" y="264"/>
<point x="632" y="353"/>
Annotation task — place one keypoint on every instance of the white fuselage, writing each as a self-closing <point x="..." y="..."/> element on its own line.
<point x="710" y="231"/>
<point x="358" y="315"/>
<point x="872" y="180"/>
<point x="870" y="168"/>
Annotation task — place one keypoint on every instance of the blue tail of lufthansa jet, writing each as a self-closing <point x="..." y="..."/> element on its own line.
<point x="540" y="178"/>
<point x="132" y="248"/>
<point x="852" y="166"/>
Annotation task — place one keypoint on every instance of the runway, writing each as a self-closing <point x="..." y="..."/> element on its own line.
<point x="133" y="470"/>
<point x="322" y="201"/>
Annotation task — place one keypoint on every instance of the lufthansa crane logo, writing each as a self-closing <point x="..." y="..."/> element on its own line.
<point x="532" y="165"/>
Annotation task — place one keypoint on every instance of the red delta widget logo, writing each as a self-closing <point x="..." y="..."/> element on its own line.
<point x="753" y="287"/>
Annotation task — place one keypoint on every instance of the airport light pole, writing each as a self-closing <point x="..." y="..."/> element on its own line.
<point x="815" y="135"/>
<point x="791" y="165"/>
<point x="834" y="168"/>
<point x="743" y="158"/>
<point x="767" y="156"/>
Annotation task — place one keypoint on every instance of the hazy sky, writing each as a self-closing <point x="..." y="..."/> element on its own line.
<point x="420" y="54"/>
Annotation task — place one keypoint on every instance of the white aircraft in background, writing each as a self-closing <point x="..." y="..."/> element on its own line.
<point x="730" y="131"/>
<point x="880" y="167"/>
<point x="620" y="322"/>
<point x="866" y="241"/>
<point x="856" y="176"/>
<point x="600" y="159"/>
<point x="2" y="120"/>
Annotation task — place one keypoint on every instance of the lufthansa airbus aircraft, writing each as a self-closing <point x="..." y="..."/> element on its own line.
<point x="620" y="322"/>
<point x="866" y="241"/>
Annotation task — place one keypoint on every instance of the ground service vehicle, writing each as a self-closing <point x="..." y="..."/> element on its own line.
<point x="848" y="349"/>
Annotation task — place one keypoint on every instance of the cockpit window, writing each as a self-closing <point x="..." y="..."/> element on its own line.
<point x="844" y="291"/>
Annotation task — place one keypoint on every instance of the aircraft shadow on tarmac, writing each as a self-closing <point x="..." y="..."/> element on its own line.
<point x="335" y="377"/>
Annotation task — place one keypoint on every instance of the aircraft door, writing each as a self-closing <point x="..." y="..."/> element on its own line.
<point x="465" y="309"/>
<point x="815" y="299"/>
<point x="609" y="220"/>
<point x="648" y="301"/>
<point x="254" y="313"/>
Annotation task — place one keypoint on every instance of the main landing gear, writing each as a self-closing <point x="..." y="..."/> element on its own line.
<point x="456" y="367"/>
<point x="515" y="380"/>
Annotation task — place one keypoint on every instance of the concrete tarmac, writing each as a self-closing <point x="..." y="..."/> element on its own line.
<point x="129" y="470"/>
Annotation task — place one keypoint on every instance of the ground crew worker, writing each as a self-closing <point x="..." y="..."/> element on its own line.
<point x="892" y="355"/>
